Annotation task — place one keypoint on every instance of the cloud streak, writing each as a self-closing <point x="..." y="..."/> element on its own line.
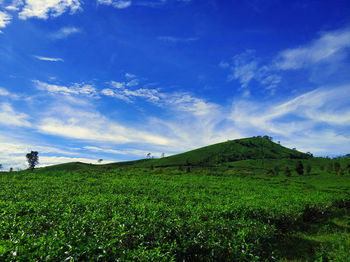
<point x="75" y="89"/>
<point x="119" y="4"/>
<point x="64" y="32"/>
<point x="324" y="49"/>
<point x="9" y="117"/>
<point x="49" y="59"/>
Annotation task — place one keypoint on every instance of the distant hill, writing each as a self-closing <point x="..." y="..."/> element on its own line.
<point x="231" y="151"/>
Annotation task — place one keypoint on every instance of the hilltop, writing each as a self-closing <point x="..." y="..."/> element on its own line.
<point x="230" y="151"/>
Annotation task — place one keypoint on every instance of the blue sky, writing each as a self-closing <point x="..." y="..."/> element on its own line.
<point x="116" y="79"/>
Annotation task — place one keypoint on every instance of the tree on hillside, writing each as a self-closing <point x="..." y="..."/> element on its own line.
<point x="11" y="169"/>
<point x="100" y="160"/>
<point x="348" y="168"/>
<point x="287" y="172"/>
<point x="336" y="167"/>
<point x="308" y="169"/>
<point x="276" y="170"/>
<point x="330" y="167"/>
<point x="32" y="159"/>
<point x="0" y="166"/>
<point x="340" y="172"/>
<point x="299" y="168"/>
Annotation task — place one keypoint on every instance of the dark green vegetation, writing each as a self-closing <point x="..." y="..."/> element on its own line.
<point x="153" y="210"/>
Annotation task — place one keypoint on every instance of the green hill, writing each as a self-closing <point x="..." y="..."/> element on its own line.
<point x="230" y="151"/>
<point x="253" y="148"/>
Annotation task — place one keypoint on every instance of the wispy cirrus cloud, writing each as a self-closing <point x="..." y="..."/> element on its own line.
<point x="329" y="46"/>
<point x="96" y="127"/>
<point x="127" y="151"/>
<point x="5" y="19"/>
<point x="179" y="101"/>
<point x="49" y="59"/>
<point x="65" y="32"/>
<point x="173" y="39"/>
<point x="119" y="4"/>
<point x="246" y="67"/>
<point x="9" y="117"/>
<point x="4" y="92"/>
<point x="75" y="89"/>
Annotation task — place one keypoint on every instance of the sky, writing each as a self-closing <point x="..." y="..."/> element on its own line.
<point x="118" y="79"/>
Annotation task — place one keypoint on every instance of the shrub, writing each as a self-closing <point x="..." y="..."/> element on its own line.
<point x="299" y="168"/>
<point x="336" y="167"/>
<point x="277" y="170"/>
<point x="287" y="172"/>
<point x="308" y="169"/>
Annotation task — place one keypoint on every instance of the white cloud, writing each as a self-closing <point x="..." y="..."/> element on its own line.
<point x="75" y="89"/>
<point x="9" y="117"/>
<point x="128" y="152"/>
<point x="4" y="92"/>
<point x="65" y="32"/>
<point x="50" y="59"/>
<point x="328" y="106"/>
<point x="117" y="85"/>
<point x="121" y="92"/>
<point x="120" y="4"/>
<point x="245" y="68"/>
<point x="326" y="48"/>
<point x="97" y="129"/>
<point x="14" y="6"/>
<point x="5" y="19"/>
<point x="129" y="75"/>
<point x="133" y="82"/>
<point x="113" y="93"/>
<point x="173" y="39"/>
<point x="329" y="48"/>
<point x="48" y="8"/>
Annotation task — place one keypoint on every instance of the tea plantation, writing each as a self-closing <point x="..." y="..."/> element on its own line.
<point x="229" y="211"/>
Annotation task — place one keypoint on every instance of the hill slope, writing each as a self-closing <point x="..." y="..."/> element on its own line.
<point x="230" y="151"/>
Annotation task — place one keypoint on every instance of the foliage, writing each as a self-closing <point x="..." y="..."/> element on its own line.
<point x="32" y="159"/>
<point x="336" y="167"/>
<point x="287" y="172"/>
<point x="308" y="169"/>
<point x="299" y="168"/>
<point x="133" y="214"/>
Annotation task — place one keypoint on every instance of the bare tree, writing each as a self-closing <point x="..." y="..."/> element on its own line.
<point x="149" y="155"/>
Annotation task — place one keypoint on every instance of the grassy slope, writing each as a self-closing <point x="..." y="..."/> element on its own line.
<point x="230" y="151"/>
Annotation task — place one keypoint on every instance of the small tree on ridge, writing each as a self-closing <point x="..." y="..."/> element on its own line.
<point x="32" y="159"/>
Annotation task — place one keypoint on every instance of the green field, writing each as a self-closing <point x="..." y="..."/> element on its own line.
<point x="161" y="210"/>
